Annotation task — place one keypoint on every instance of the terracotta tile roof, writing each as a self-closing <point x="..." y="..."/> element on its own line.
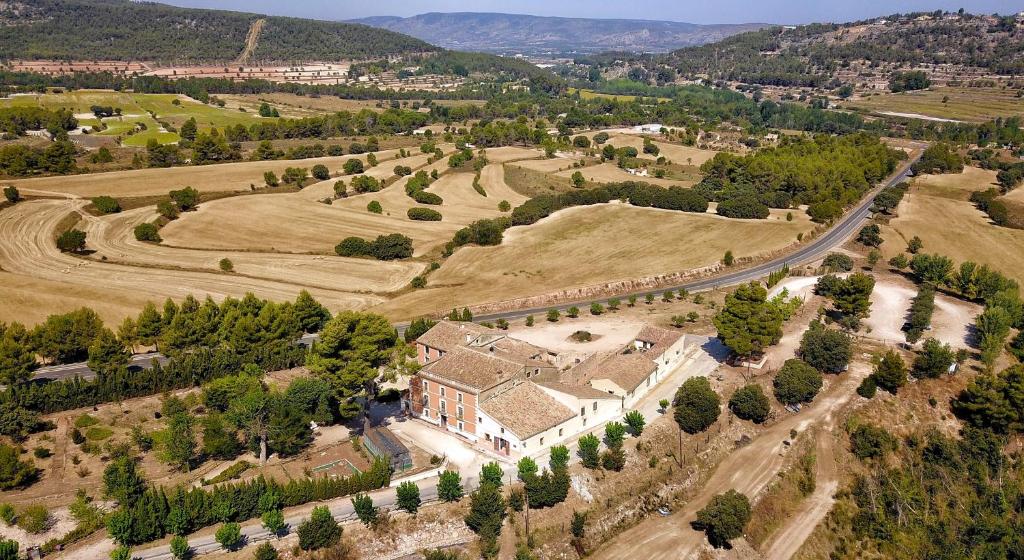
<point x="447" y="335"/>
<point x="625" y="370"/>
<point x="526" y="410"/>
<point x="660" y="338"/>
<point x="473" y="368"/>
<point x="578" y="391"/>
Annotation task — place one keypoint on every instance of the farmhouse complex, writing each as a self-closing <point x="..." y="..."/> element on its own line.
<point x="517" y="398"/>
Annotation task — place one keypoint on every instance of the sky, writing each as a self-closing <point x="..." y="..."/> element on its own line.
<point x="693" y="11"/>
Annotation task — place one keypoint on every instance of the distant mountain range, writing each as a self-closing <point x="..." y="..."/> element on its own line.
<point x="514" y="33"/>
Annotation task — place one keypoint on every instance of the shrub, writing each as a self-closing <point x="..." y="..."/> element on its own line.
<point x="266" y="551"/>
<point x="375" y="207"/>
<point x="504" y="206"/>
<point x="827" y="350"/>
<point x="41" y="453"/>
<point x="270" y="178"/>
<point x="868" y="387"/>
<point x="15" y="473"/>
<point x="106" y="205"/>
<point x="750" y="403"/>
<point x="868" y="442"/>
<point x="148" y="232"/>
<point x="7" y="514"/>
<point x="167" y="209"/>
<point x="226" y="265"/>
<point x="424" y="197"/>
<point x="12" y="194"/>
<point x="8" y="549"/>
<point x="353" y="166"/>
<point x="34" y="519"/>
<point x="724" y="518"/>
<point x="635" y="420"/>
<point x="321" y="530"/>
<point x="424" y="214"/>
<point x="365" y="183"/>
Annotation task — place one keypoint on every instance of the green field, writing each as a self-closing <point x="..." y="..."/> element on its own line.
<point x="589" y="94"/>
<point x="962" y="104"/>
<point x="135" y="108"/>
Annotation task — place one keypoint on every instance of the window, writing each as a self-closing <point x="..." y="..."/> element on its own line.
<point x="487" y="437"/>
<point x="461" y="426"/>
<point x="426" y="401"/>
<point x="444" y="409"/>
<point x="560" y="432"/>
<point x="542" y="441"/>
<point x="479" y="420"/>
<point x="458" y="396"/>
<point x="595" y="406"/>
<point x="459" y="411"/>
<point x="426" y="386"/>
<point x="442" y="390"/>
<point x="583" y="411"/>
<point x="503" y="430"/>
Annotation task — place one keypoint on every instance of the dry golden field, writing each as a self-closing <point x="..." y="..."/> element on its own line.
<point x="676" y="153"/>
<point x="612" y="173"/>
<point x="227" y="177"/>
<point x="280" y="242"/>
<point x="585" y="246"/>
<point x="938" y="211"/>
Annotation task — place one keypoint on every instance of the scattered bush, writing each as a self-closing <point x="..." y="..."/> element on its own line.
<point x="424" y="214"/>
<point x="148" y="232"/>
<point x="106" y="205"/>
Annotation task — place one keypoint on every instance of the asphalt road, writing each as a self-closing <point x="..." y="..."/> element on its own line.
<point x="80" y="369"/>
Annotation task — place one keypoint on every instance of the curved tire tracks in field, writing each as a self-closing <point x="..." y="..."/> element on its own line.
<point x="27" y="248"/>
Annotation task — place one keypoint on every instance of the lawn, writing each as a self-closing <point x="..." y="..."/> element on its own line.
<point x="964" y="104"/>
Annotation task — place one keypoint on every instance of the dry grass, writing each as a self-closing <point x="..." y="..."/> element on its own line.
<point x="937" y="210"/>
<point x="677" y="153"/>
<point x="966" y="104"/>
<point x="612" y="173"/>
<point x="239" y="176"/>
<point x="240" y="223"/>
<point x="590" y="245"/>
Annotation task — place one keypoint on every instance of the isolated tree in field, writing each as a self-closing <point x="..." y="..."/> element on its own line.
<point x="351" y="349"/>
<point x="270" y="178"/>
<point x="750" y="403"/>
<point x="186" y="198"/>
<point x="71" y="241"/>
<point x="553" y="315"/>
<point x="17" y="362"/>
<point x="578" y="180"/>
<point x="838" y="262"/>
<point x="825" y="349"/>
<point x="870" y="235"/>
<point x="449" y="486"/>
<point x="408" y="496"/>
<point x="107" y="353"/>
<point x="353" y="166"/>
<point x="320" y="172"/>
<point x="697" y="405"/>
<point x="914" y="245"/>
<point x="728" y="259"/>
<point x="724" y="518"/>
<point x="891" y="372"/>
<point x="226" y="265"/>
<point x="321" y="530"/>
<point x="147" y="231"/>
<point x="796" y="382"/>
<point x="899" y="262"/>
<point x="748" y="323"/>
<point x="12" y="194"/>
<point x="167" y="209"/>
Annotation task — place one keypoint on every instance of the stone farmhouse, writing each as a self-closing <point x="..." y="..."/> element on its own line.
<point x="515" y="398"/>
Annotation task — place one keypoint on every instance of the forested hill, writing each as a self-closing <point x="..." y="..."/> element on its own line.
<point x="122" y="30"/>
<point x="508" y="33"/>
<point x="812" y="55"/>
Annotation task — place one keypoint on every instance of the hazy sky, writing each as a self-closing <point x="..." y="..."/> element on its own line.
<point x="694" y="11"/>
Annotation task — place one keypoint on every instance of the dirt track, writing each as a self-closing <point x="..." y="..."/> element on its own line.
<point x="748" y="470"/>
